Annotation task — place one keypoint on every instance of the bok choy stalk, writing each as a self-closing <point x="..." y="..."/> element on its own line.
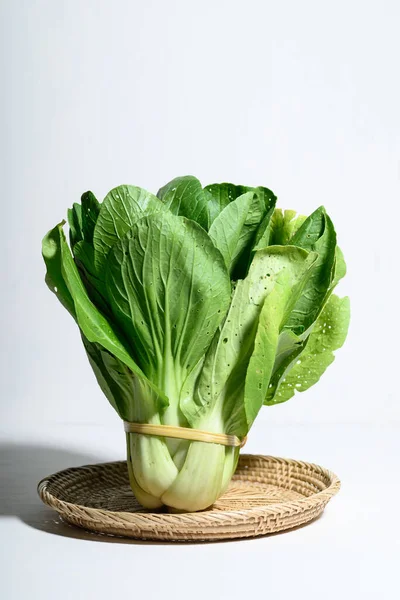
<point x="196" y="307"/>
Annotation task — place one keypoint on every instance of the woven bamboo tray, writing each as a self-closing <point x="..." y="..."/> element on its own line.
<point x="266" y="495"/>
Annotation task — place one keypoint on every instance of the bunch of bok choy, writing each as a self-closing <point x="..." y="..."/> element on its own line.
<point x="196" y="307"/>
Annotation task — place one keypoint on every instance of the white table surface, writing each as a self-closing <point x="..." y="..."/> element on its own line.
<point x="351" y="552"/>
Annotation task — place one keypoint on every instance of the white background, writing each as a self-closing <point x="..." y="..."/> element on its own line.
<point x="302" y="97"/>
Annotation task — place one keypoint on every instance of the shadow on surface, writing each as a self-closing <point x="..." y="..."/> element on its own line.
<point x="21" y="469"/>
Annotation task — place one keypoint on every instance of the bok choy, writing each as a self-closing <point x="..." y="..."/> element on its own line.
<point x="196" y="307"/>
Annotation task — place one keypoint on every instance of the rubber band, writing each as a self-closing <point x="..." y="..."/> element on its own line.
<point x="184" y="433"/>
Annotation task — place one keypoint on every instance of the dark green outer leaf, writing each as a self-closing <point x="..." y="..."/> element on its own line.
<point x="262" y="236"/>
<point x="107" y="384"/>
<point x="242" y="259"/>
<point x="316" y="233"/>
<point x="131" y="397"/>
<point x="234" y="227"/>
<point x="185" y="197"/>
<point x="311" y="230"/>
<point x="224" y="193"/>
<point x="82" y="222"/>
<point x="220" y="196"/>
<point x="75" y="224"/>
<point x="95" y="287"/>
<point x="121" y="208"/>
<point x="90" y="213"/>
<point x="51" y="251"/>
<point x="94" y="326"/>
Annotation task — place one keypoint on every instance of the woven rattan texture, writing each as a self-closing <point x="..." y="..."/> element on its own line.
<point x="266" y="495"/>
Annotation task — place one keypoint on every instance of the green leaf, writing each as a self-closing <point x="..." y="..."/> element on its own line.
<point x="90" y="213"/>
<point x="281" y="229"/>
<point x="120" y="209"/>
<point x="289" y="347"/>
<point x="120" y="386"/>
<point x="184" y="196"/>
<point x="254" y="218"/>
<point x="221" y="382"/>
<point x="271" y="339"/>
<point x="84" y="254"/>
<point x="75" y="224"/>
<point x="169" y="290"/>
<point x="283" y="225"/>
<point x="311" y="230"/>
<point x="95" y="287"/>
<point x="82" y="220"/>
<point x="328" y="335"/>
<point x="51" y="251"/>
<point x="234" y="226"/>
<point x="221" y="194"/>
<point x="317" y="234"/>
<point x="340" y="267"/>
<point x="288" y="344"/>
<point x="262" y="236"/>
<point x="107" y="384"/>
<point x="93" y="325"/>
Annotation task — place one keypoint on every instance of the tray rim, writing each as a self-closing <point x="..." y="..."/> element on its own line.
<point x="316" y="499"/>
